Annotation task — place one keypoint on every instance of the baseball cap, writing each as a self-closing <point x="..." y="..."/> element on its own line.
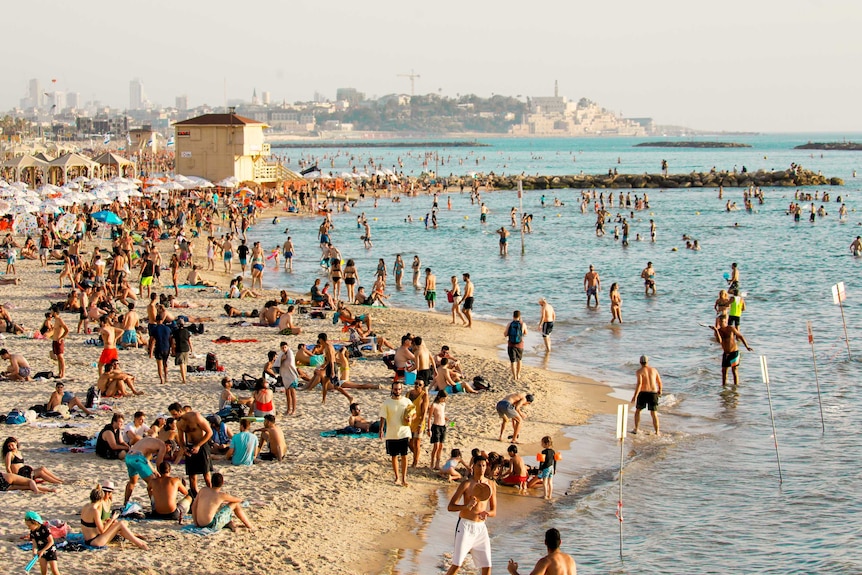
<point x="33" y="516"/>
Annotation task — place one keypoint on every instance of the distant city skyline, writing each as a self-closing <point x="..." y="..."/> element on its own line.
<point x="736" y="66"/>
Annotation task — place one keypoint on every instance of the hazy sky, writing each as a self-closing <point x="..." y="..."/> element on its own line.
<point x="760" y="65"/>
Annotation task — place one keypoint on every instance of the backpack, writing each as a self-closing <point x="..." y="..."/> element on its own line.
<point x="74" y="439"/>
<point x="16" y="417"/>
<point x="212" y="362"/>
<point x="515" y="332"/>
<point x="93" y="397"/>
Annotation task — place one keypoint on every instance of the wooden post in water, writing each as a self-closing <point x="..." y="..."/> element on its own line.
<point x="764" y="372"/>
<point x="816" y="378"/>
<point x="622" y="416"/>
<point x="839" y="294"/>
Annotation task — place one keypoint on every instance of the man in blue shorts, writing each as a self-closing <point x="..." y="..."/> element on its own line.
<point x="138" y="462"/>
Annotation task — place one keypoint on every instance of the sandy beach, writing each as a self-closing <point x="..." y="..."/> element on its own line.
<point x="331" y="506"/>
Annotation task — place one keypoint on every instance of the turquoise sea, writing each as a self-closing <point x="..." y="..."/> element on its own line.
<point x="705" y="497"/>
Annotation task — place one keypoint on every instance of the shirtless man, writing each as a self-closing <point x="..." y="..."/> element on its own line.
<point x="138" y="462"/>
<point x="554" y="563"/>
<point x="510" y="408"/>
<point x="727" y="335"/>
<point x="648" y="275"/>
<point x="130" y="324"/>
<point x="454" y="365"/>
<point x="193" y="435"/>
<point x="546" y="322"/>
<point x="733" y="279"/>
<point x="471" y="533"/>
<point x="227" y="254"/>
<point x="430" y="291"/>
<point x="404" y="358"/>
<point x="164" y="489"/>
<point x="109" y="335"/>
<point x="856" y="246"/>
<point x="425" y="367"/>
<point x="152" y="321"/>
<point x="61" y="397"/>
<point x="272" y="435"/>
<point x="592" y="285"/>
<point x="213" y="509"/>
<point x="288" y="250"/>
<point x="467" y="306"/>
<point x="647" y="393"/>
<point x="443" y="378"/>
<point x="58" y="342"/>
<point x="285" y="321"/>
<point x="356" y="420"/>
<point x="19" y="368"/>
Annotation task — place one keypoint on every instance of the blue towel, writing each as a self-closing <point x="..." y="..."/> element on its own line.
<point x="199" y="530"/>
<point x="334" y="433"/>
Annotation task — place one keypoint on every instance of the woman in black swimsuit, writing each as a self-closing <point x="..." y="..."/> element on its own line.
<point x="98" y="533"/>
<point x="350" y="278"/>
<point x="14" y="463"/>
<point x="12" y="482"/>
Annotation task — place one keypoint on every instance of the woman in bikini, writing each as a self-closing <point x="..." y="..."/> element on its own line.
<point x="98" y="533"/>
<point x="263" y="404"/>
<point x="335" y="275"/>
<point x="351" y="278"/>
<point x="14" y="463"/>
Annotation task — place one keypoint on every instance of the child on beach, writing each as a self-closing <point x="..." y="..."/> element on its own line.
<point x="450" y="468"/>
<point x="43" y="543"/>
<point x="548" y="466"/>
<point x="437" y="428"/>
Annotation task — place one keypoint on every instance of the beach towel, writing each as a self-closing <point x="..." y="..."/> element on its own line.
<point x="225" y="339"/>
<point x="73" y="450"/>
<point x="201" y="287"/>
<point x="202" y="531"/>
<point x="334" y="433"/>
<point x="73" y="542"/>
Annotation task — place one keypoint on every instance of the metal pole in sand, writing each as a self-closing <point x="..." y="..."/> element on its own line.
<point x="622" y="416"/>
<point x="764" y="371"/>
<point x="816" y="377"/>
<point x="839" y="294"/>
<point x="521" y="211"/>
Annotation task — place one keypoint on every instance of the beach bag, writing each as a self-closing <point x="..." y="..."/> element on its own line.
<point x="74" y="439"/>
<point x="449" y="297"/>
<point x="93" y="397"/>
<point x="16" y="417"/>
<point x="353" y="350"/>
<point x="211" y="362"/>
<point x="233" y="412"/>
<point x="479" y="383"/>
<point x="58" y="529"/>
<point x="515" y="332"/>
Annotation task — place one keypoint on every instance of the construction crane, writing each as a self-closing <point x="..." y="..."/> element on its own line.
<point x="412" y="77"/>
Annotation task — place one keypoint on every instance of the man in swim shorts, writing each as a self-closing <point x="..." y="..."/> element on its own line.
<point x="510" y="408"/>
<point x="648" y="275"/>
<point x="554" y="563"/>
<point x="546" y="322"/>
<point x="430" y="288"/>
<point x="213" y="509"/>
<point x="109" y="335"/>
<point x="193" y="435"/>
<point x="647" y="393"/>
<point x="592" y="285"/>
<point x="138" y="462"/>
<point x="467" y="305"/>
<point x="727" y="335"/>
<point x="471" y="532"/>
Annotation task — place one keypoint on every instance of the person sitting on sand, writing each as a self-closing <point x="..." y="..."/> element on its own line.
<point x="362" y="298"/>
<point x="312" y="359"/>
<point x="270" y="314"/>
<point x="98" y="533"/>
<point x="193" y="278"/>
<point x="233" y="312"/>
<point x="227" y="397"/>
<point x="357" y="322"/>
<point x="109" y="444"/>
<point x="453" y="364"/>
<point x="14" y="463"/>
<point x="236" y="291"/>
<point x="213" y="508"/>
<point x="285" y="322"/>
<point x="163" y="490"/>
<point x="7" y="324"/>
<point x="444" y="379"/>
<point x="450" y="469"/>
<point x="272" y="436"/>
<point x="114" y="383"/>
<point x="61" y="397"/>
<point x="342" y="360"/>
<point x="378" y="294"/>
<point x="19" y="368"/>
<point x="356" y="421"/>
<point x="14" y="482"/>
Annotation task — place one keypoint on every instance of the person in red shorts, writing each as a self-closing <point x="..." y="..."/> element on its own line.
<point x="109" y="335"/>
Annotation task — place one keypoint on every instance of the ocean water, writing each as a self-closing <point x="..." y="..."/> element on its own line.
<point x="705" y="497"/>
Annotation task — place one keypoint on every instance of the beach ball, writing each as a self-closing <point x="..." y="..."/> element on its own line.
<point x="674" y="249"/>
<point x="466" y="217"/>
<point x="375" y="219"/>
<point x="697" y="213"/>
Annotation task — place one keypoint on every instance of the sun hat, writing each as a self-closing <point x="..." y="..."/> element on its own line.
<point x="107" y="485"/>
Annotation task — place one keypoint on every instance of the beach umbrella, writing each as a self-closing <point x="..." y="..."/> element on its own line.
<point x="228" y="182"/>
<point x="81" y="180"/>
<point x="49" y="207"/>
<point x="95" y="182"/>
<point x="173" y="186"/>
<point x="108" y="217"/>
<point x="5" y="207"/>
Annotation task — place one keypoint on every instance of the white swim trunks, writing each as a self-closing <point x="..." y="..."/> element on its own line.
<point x="472" y="536"/>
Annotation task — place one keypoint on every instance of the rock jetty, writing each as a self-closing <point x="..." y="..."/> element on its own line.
<point x="842" y="146"/>
<point x="691" y="145"/>
<point x="762" y="178"/>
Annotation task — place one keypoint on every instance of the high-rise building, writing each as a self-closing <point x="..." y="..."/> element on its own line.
<point x="35" y="93"/>
<point x="136" y="94"/>
<point x="182" y="103"/>
<point x="56" y="101"/>
<point x="351" y="95"/>
<point x="265" y="98"/>
<point x="73" y="100"/>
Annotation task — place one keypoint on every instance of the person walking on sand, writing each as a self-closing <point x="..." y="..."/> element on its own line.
<point x="648" y="275"/>
<point x="727" y="335"/>
<point x="592" y="285"/>
<point x="510" y="408"/>
<point x="554" y="563"/>
<point x="467" y="306"/>
<point x="58" y="342"/>
<point x="647" y="393"/>
<point x="471" y="532"/>
<point x="515" y="332"/>
<point x="396" y="414"/>
<point x="546" y="322"/>
<point x="430" y="291"/>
